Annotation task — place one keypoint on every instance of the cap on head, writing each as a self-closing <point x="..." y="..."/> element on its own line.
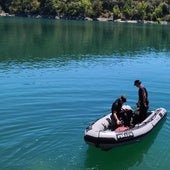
<point x="123" y="97"/>
<point x="137" y="82"/>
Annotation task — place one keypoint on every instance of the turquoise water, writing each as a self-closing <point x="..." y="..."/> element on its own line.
<point x="56" y="77"/>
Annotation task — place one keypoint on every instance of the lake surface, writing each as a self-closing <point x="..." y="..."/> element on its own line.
<point x="56" y="77"/>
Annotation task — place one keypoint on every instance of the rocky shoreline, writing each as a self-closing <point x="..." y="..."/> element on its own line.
<point x="102" y="19"/>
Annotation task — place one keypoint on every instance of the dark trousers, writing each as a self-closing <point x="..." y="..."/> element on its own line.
<point x="140" y="115"/>
<point x="124" y="117"/>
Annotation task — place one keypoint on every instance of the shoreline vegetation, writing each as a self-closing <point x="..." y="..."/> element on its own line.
<point x="129" y="11"/>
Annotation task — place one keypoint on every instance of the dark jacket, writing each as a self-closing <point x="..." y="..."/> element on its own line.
<point x="116" y="106"/>
<point x="143" y="97"/>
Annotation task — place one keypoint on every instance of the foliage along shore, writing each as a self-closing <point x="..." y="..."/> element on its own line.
<point x="102" y="19"/>
<point x="131" y="11"/>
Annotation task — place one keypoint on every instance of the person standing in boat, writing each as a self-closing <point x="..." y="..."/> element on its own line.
<point x="143" y="102"/>
<point x="117" y="111"/>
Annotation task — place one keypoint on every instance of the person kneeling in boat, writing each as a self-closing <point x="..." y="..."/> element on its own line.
<point x="120" y="116"/>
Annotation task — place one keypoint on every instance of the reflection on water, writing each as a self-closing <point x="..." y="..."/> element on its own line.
<point x="126" y="157"/>
<point x="39" y="40"/>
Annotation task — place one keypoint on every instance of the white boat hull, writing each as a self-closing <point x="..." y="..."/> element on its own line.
<point x="98" y="134"/>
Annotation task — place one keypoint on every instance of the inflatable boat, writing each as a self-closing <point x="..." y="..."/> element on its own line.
<point x="100" y="134"/>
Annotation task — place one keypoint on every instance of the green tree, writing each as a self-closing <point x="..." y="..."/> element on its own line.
<point x="158" y="12"/>
<point x="108" y="4"/>
<point x="5" y="5"/>
<point x="24" y="6"/>
<point x="127" y="9"/>
<point x="48" y="7"/>
<point x="141" y="8"/>
<point x="116" y="12"/>
<point x="97" y="8"/>
<point x="87" y="7"/>
<point x="74" y="9"/>
<point x="165" y="8"/>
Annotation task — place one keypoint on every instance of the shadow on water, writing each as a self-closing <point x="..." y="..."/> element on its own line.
<point x="122" y="157"/>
